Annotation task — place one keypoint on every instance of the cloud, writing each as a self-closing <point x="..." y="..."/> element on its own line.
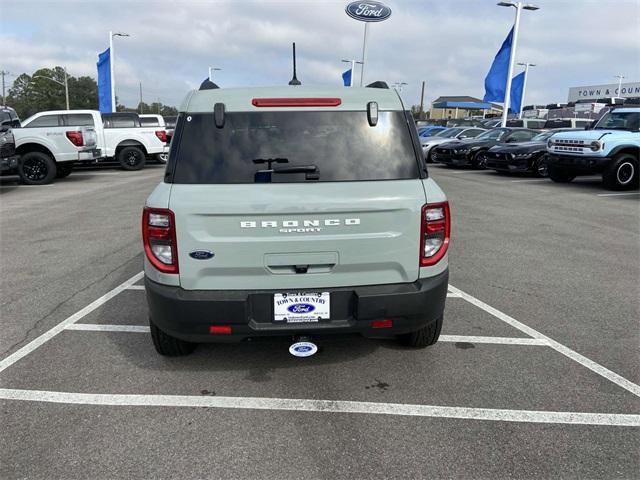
<point x="450" y="45"/>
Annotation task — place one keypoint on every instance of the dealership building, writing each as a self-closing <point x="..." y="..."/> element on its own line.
<point x="461" y="107"/>
<point x="599" y="92"/>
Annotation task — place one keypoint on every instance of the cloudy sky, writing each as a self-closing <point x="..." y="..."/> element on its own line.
<point x="447" y="43"/>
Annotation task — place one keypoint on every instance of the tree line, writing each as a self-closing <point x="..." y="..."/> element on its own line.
<point x="35" y="93"/>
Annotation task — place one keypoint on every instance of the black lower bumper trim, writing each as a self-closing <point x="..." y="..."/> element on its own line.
<point x="579" y="165"/>
<point x="188" y="314"/>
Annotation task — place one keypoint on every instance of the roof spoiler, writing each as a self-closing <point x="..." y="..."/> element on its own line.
<point x="378" y="84"/>
<point x="208" y="85"/>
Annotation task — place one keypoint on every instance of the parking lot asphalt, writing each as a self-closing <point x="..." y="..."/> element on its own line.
<point x="536" y="374"/>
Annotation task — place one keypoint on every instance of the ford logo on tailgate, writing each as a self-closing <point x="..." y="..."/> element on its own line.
<point x="368" y="11"/>
<point x="201" y="254"/>
<point x="301" y="308"/>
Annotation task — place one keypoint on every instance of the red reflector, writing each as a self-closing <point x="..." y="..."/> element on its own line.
<point x="220" y="329"/>
<point x="296" y="102"/>
<point x="157" y="233"/>
<point x="382" y="323"/>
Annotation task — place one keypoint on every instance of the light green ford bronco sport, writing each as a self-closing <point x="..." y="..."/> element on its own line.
<point x="295" y="211"/>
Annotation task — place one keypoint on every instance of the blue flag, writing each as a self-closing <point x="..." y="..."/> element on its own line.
<point x="517" y="86"/>
<point x="346" y="78"/>
<point x="495" y="83"/>
<point x="104" y="81"/>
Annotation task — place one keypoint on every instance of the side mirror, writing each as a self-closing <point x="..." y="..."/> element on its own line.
<point x="218" y="114"/>
<point x="372" y="113"/>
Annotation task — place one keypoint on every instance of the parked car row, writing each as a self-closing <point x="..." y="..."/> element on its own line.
<point x="47" y="145"/>
<point x="609" y="147"/>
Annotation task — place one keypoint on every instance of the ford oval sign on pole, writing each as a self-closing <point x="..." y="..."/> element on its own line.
<point x="367" y="12"/>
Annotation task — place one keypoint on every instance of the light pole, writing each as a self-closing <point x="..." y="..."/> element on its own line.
<point x="112" y="58"/>
<point x="352" y="63"/>
<point x="211" y="70"/>
<point x="524" y="84"/>
<point x="620" y="78"/>
<point x="514" y="43"/>
<point x="65" y="84"/>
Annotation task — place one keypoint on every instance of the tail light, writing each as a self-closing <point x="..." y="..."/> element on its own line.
<point x="434" y="232"/>
<point x="162" y="135"/>
<point x="75" y="137"/>
<point x="159" y="238"/>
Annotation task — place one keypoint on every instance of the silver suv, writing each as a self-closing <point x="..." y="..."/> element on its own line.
<point x="295" y="211"/>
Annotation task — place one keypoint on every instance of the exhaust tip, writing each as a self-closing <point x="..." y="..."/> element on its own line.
<point x="303" y="347"/>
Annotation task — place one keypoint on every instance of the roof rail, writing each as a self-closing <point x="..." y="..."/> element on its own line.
<point x="378" y="84"/>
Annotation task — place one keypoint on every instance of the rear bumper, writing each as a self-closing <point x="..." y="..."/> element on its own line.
<point x="578" y="164"/>
<point x="89" y="154"/>
<point x="188" y="314"/>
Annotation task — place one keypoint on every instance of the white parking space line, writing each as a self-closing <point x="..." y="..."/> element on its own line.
<point x="325" y="406"/>
<point x="493" y="340"/>
<point x="136" y="287"/>
<point x="573" y="355"/>
<point x="531" y="180"/>
<point x="92" y="327"/>
<point x="27" y="186"/>
<point x="93" y="174"/>
<point x="48" y="335"/>
<point x="617" y="194"/>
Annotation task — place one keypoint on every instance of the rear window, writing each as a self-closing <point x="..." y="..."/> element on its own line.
<point x="340" y="145"/>
<point x="557" y="124"/>
<point x="78" y="120"/>
<point x="149" y="122"/>
<point x="44" y="121"/>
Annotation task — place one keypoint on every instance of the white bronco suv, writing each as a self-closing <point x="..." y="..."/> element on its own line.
<point x="295" y="211"/>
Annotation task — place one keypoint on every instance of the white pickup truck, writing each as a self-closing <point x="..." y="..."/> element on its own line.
<point x="49" y="147"/>
<point x="118" y="136"/>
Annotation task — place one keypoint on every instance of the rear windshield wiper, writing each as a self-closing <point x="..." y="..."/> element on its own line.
<point x="311" y="172"/>
<point x="296" y="169"/>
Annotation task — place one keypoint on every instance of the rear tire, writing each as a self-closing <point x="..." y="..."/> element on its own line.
<point x="167" y="345"/>
<point x="36" y="168"/>
<point x="131" y="158"/>
<point x="64" y="170"/>
<point x="560" y="175"/>
<point x="622" y="174"/>
<point x="162" y="158"/>
<point x="424" y="337"/>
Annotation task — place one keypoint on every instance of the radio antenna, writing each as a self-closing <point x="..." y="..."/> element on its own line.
<point x="294" y="80"/>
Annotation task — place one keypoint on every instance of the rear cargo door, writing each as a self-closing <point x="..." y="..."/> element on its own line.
<point x="295" y="200"/>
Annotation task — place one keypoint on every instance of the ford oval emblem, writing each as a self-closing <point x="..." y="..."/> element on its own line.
<point x="368" y="11"/>
<point x="301" y="308"/>
<point x="201" y="254"/>
<point x="303" y="349"/>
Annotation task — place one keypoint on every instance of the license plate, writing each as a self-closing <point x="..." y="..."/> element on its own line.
<point x="301" y="307"/>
